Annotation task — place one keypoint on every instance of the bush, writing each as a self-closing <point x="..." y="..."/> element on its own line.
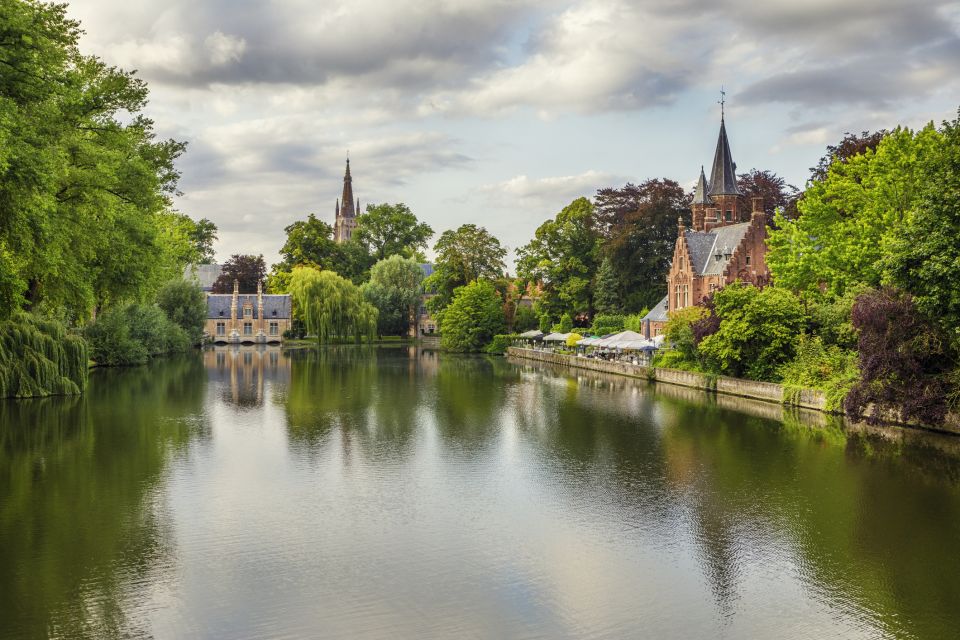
<point x="474" y="316"/>
<point x="604" y="324"/>
<point x="525" y="319"/>
<point x="133" y="334"/>
<point x="634" y="321"/>
<point x="565" y="325"/>
<point x="905" y="360"/>
<point x="757" y="333"/>
<point x="186" y="305"/>
<point x="38" y="358"/>
<point x="573" y="339"/>
<point x="679" y="332"/>
<point x="500" y="343"/>
<point x="820" y="366"/>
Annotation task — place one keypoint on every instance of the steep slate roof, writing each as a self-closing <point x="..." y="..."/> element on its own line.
<point x="704" y="246"/>
<point x="204" y="274"/>
<point x="700" y="194"/>
<point x="218" y="305"/>
<point x="346" y="202"/>
<point x="723" y="176"/>
<point x="658" y="313"/>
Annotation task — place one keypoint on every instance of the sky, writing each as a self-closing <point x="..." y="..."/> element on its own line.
<point x="501" y="112"/>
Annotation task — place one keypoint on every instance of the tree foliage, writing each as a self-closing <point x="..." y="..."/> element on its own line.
<point x="473" y="318"/>
<point x="38" y="358"/>
<point x="757" y="331"/>
<point x="392" y="229"/>
<point x="850" y="146"/>
<point x="849" y="221"/>
<point x="774" y="190"/>
<point x="186" y="305"/>
<point x="905" y="360"/>
<point x="247" y="270"/>
<point x="563" y="258"/>
<point x="463" y="255"/>
<point x="132" y="334"/>
<point x="638" y="226"/>
<point x="394" y="289"/>
<point x="85" y="185"/>
<point x="332" y="307"/>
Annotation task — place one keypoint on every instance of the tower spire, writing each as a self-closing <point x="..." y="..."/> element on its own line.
<point x="723" y="175"/>
<point x="346" y="201"/>
<point x="700" y="193"/>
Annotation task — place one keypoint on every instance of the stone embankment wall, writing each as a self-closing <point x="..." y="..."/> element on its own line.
<point x="768" y="391"/>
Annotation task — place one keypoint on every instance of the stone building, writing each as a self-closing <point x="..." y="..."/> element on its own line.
<point x="345" y="220"/>
<point x="724" y="244"/>
<point x="247" y="318"/>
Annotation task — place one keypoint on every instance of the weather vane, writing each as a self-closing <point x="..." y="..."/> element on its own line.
<point x="722" y="101"/>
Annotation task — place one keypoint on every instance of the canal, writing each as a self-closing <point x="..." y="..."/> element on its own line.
<point x="403" y="493"/>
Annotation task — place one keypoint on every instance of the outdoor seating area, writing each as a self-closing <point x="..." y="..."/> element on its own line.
<point x="625" y="346"/>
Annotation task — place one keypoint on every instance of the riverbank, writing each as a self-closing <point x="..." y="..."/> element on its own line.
<point x="765" y="391"/>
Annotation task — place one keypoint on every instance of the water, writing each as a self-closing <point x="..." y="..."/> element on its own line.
<point x="397" y="493"/>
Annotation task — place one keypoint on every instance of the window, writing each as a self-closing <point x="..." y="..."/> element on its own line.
<point x="221" y="328"/>
<point x="729" y="215"/>
<point x="248" y="328"/>
<point x="678" y="292"/>
<point x="713" y="287"/>
<point x="274" y="328"/>
<point x="748" y="259"/>
<point x="248" y="312"/>
<point x="686" y="295"/>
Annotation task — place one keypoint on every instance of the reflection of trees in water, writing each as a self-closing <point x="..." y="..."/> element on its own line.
<point x="871" y="515"/>
<point x="80" y="531"/>
<point x="241" y="373"/>
<point x="467" y="398"/>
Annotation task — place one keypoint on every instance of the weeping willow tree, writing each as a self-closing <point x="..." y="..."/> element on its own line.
<point x="332" y="307"/>
<point x="38" y="358"/>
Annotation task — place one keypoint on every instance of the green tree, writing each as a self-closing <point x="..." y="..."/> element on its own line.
<point x="607" y="297"/>
<point x="757" y="333"/>
<point x="473" y="318"/>
<point x="202" y="237"/>
<point x="850" y="221"/>
<point x="394" y="289"/>
<point x="332" y="307"/>
<point x="186" y="305"/>
<point x="463" y="255"/>
<point x="923" y="254"/>
<point x="392" y="229"/>
<point x="85" y="219"/>
<point x="247" y="270"/>
<point x="310" y="242"/>
<point x="563" y="256"/>
<point x="638" y="224"/>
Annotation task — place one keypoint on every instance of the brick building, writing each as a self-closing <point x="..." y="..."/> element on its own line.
<point x="724" y="243"/>
<point x="247" y="318"/>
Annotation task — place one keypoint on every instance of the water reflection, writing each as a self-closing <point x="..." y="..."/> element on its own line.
<point x="401" y="493"/>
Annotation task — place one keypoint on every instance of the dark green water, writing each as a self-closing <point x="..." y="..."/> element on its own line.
<point x="401" y="494"/>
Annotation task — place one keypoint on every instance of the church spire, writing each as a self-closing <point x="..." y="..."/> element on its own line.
<point x="723" y="176"/>
<point x="700" y="193"/>
<point x="346" y="202"/>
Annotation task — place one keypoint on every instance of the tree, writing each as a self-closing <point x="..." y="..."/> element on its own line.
<point x="904" y="360"/>
<point x="392" y="230"/>
<point x="922" y="257"/>
<point x="332" y="307"/>
<point x="848" y="221"/>
<point x="563" y="256"/>
<point x="85" y="219"/>
<point x="248" y="270"/>
<point x="394" y="289"/>
<point x="463" y="255"/>
<point x="850" y="146"/>
<point x="639" y="228"/>
<point x="185" y="305"/>
<point x="473" y="318"/>
<point x="607" y="296"/>
<point x="774" y="190"/>
<point x="202" y="237"/>
<point x="757" y="333"/>
<point x="310" y="242"/>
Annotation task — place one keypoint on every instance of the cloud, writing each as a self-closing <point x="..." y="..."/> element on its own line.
<point x="551" y="191"/>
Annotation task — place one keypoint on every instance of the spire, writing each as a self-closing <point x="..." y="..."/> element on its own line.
<point x="723" y="176"/>
<point x="700" y="194"/>
<point x="358" y="210"/>
<point x="336" y="209"/>
<point x="346" y="207"/>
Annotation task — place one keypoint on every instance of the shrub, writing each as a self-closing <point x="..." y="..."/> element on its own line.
<point x="132" y="334"/>
<point x="474" y="316"/>
<point x="820" y="366"/>
<point x="905" y="360"/>
<point x="38" y="358"/>
<point x="634" y="321"/>
<point x="604" y="324"/>
<point x="565" y="325"/>
<point x="186" y="305"/>
<point x="679" y="332"/>
<point x="573" y="339"/>
<point x="757" y="333"/>
<point x="500" y="343"/>
<point x="525" y="319"/>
